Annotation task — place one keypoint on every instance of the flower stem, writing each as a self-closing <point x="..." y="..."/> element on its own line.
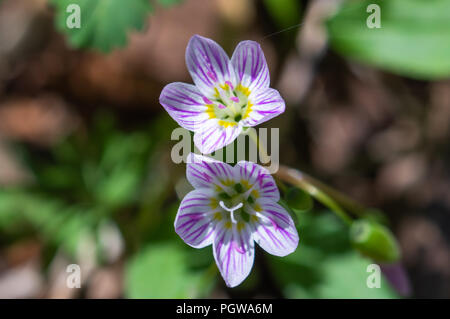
<point x="297" y="179"/>
<point x="261" y="149"/>
<point x="328" y="196"/>
<point x="346" y="202"/>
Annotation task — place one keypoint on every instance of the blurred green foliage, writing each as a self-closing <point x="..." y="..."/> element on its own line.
<point x="324" y="264"/>
<point x="169" y="3"/>
<point x="58" y="224"/>
<point x="285" y="13"/>
<point x="90" y="177"/>
<point x="163" y="270"/>
<point x="120" y="177"/>
<point x="105" y="25"/>
<point x="104" y="173"/>
<point x="414" y="38"/>
<point x="109" y="175"/>
<point x="102" y="167"/>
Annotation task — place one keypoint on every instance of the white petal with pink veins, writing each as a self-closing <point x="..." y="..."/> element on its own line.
<point x="195" y="221"/>
<point x="205" y="172"/>
<point x="275" y="230"/>
<point x="208" y="64"/>
<point x="234" y="253"/>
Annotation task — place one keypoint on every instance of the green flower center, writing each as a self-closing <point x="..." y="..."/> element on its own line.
<point x="238" y="203"/>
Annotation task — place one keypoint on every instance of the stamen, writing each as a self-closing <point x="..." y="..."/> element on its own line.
<point x="230" y="84"/>
<point x="206" y="100"/>
<point x="226" y="105"/>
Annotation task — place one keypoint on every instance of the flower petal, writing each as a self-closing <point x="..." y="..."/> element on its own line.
<point x="205" y="172"/>
<point x="275" y="231"/>
<point x="185" y="104"/>
<point x="195" y="218"/>
<point x="265" y="105"/>
<point x="259" y="178"/>
<point x="234" y="252"/>
<point x="208" y="64"/>
<point x="250" y="66"/>
<point x="213" y="136"/>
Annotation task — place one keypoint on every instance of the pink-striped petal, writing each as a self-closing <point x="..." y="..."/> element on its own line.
<point x="205" y="172"/>
<point x="259" y="179"/>
<point x="234" y="253"/>
<point x="250" y="66"/>
<point x="195" y="221"/>
<point x="274" y="230"/>
<point x="212" y="136"/>
<point x="266" y="105"/>
<point x="185" y="104"/>
<point x="208" y="64"/>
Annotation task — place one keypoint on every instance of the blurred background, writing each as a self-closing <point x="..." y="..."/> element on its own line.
<point x="85" y="169"/>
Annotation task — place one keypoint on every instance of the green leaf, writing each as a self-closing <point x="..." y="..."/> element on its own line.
<point x="345" y="276"/>
<point x="414" y="38"/>
<point x="307" y="273"/>
<point x="168" y="3"/>
<point x="162" y="271"/>
<point x="56" y="223"/>
<point x="105" y="24"/>
<point x="8" y="209"/>
<point x="324" y="231"/>
<point x="324" y="265"/>
<point x="119" y="187"/>
<point x="121" y="167"/>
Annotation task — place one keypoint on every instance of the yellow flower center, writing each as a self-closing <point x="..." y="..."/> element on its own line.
<point x="230" y="104"/>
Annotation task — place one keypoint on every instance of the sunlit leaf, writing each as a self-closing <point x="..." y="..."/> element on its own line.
<point x="169" y="3"/>
<point x="105" y="25"/>
<point x="414" y="38"/>
<point x="346" y="275"/>
<point x="162" y="271"/>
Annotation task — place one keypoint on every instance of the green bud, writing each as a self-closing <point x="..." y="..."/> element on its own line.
<point x="298" y="200"/>
<point x="374" y="240"/>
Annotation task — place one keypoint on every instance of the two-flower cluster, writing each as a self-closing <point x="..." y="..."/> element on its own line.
<point x="231" y="207"/>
